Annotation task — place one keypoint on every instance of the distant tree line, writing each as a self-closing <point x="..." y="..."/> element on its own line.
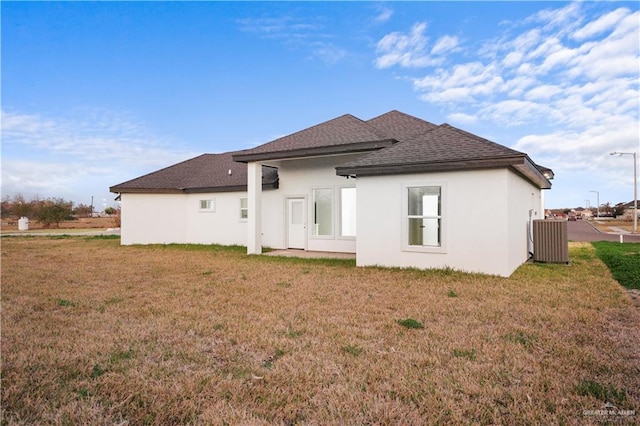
<point x="50" y="211"/>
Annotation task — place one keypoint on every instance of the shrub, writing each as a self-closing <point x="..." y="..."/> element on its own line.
<point x="53" y="212"/>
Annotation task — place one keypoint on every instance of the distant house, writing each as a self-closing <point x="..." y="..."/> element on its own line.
<point x="395" y="190"/>
<point x="584" y="213"/>
<point x="627" y="209"/>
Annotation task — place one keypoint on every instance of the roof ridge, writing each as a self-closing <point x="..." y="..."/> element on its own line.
<point x="337" y="135"/>
<point x="373" y="129"/>
<point x="400" y="125"/>
<point x="309" y="128"/>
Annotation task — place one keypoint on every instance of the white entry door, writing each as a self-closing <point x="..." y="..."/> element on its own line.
<point x="296" y="223"/>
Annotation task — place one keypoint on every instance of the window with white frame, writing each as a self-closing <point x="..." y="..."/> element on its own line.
<point x="208" y="205"/>
<point x="323" y="212"/>
<point x="424" y="216"/>
<point x="244" y="209"/>
<point x="347" y="212"/>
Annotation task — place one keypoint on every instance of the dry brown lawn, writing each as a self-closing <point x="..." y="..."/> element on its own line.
<point x="97" y="333"/>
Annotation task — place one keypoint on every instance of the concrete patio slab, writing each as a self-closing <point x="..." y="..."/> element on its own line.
<point x="310" y="254"/>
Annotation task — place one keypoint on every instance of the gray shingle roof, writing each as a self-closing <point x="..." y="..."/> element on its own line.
<point x="400" y="126"/>
<point x="443" y="148"/>
<point x="443" y="143"/>
<point x="397" y="142"/>
<point x="340" y="135"/>
<point x="205" y="173"/>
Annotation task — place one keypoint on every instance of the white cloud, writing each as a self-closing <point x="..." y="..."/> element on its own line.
<point x="35" y="178"/>
<point x="462" y="118"/>
<point x="563" y="20"/>
<point x="296" y="33"/>
<point x="526" y="41"/>
<point x="540" y="76"/>
<point x="328" y="53"/>
<point x="451" y="95"/>
<point x="66" y="153"/>
<point x="559" y="58"/>
<point x="91" y="135"/>
<point x="516" y="86"/>
<point x="406" y="50"/>
<point x="543" y="50"/>
<point x="462" y="84"/>
<point x="384" y="15"/>
<point x="278" y="27"/>
<point x="514" y="112"/>
<point x="411" y="50"/>
<point x="542" y="92"/>
<point x="586" y="150"/>
<point x="512" y="59"/>
<point x="615" y="55"/>
<point x="445" y="44"/>
<point x="600" y="25"/>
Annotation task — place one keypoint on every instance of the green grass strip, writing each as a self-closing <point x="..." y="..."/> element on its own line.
<point x="623" y="260"/>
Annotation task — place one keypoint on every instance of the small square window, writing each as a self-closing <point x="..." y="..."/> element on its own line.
<point x="208" y="205"/>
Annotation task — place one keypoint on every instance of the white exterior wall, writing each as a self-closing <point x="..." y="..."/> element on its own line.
<point x="153" y="218"/>
<point x="177" y="218"/>
<point x="526" y="204"/>
<point x="222" y="226"/>
<point x="483" y="230"/>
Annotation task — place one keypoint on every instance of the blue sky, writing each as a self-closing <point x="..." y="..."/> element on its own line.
<point x="94" y="94"/>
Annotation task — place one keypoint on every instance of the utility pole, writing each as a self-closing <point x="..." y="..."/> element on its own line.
<point x="597" y="201"/>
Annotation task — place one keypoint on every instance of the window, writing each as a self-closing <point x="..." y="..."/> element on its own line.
<point x="208" y="205"/>
<point x="424" y="216"/>
<point x="244" y="209"/>
<point x="347" y="212"/>
<point x="322" y="212"/>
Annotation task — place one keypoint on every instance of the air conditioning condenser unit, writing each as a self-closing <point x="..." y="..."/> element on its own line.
<point x="550" y="241"/>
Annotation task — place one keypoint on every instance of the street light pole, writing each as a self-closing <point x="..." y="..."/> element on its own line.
<point x="635" y="187"/>
<point x="597" y="201"/>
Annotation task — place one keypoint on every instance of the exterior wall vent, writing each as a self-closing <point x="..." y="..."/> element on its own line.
<point x="550" y="241"/>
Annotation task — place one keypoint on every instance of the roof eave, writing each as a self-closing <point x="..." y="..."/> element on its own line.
<point x="532" y="173"/>
<point x="199" y="190"/>
<point x="125" y="190"/>
<point x="521" y="164"/>
<point x="314" y="151"/>
<point x="426" y="167"/>
<point x="237" y="188"/>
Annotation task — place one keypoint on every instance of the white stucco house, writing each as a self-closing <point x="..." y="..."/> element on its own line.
<point x="395" y="190"/>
